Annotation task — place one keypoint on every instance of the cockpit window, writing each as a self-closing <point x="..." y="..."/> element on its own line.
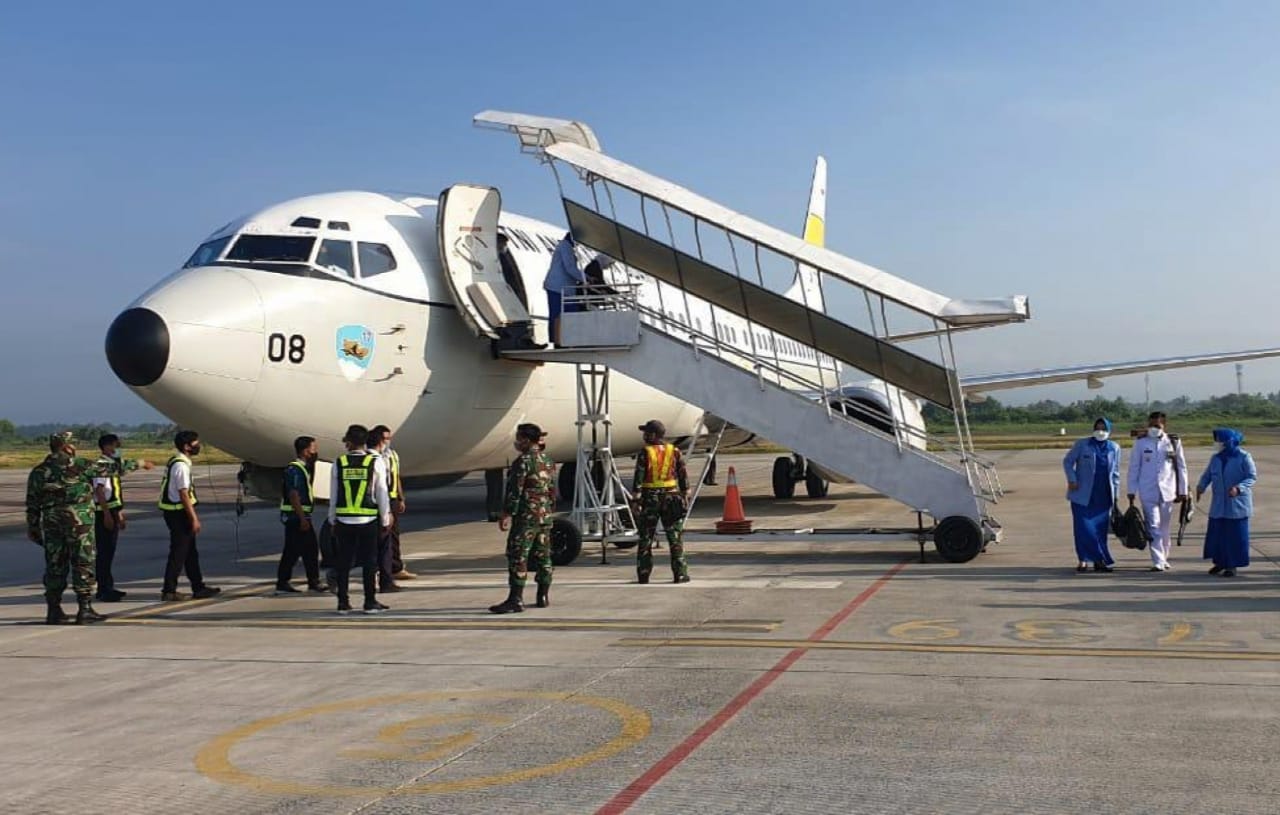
<point x="336" y="254"/>
<point x="306" y="223"/>
<point x="340" y="225"/>
<point x="272" y="249"/>
<point x="207" y="252"/>
<point x="375" y="259"/>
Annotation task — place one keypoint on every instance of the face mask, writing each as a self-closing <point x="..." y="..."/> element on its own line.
<point x="1153" y="432"/>
<point x="116" y="455"/>
<point x="1217" y="447"/>
<point x="195" y="449"/>
<point x="1101" y="435"/>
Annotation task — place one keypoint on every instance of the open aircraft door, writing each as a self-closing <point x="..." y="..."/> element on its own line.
<point x="467" y="226"/>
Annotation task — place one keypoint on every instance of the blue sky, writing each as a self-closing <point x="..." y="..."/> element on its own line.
<point x="1115" y="162"/>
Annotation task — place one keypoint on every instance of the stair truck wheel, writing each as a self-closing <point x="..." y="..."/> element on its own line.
<point x="566" y="542"/>
<point x="814" y="486"/>
<point x="784" y="486"/>
<point x="958" y="539"/>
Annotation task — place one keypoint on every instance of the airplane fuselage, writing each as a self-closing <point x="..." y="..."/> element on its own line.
<point x="258" y="352"/>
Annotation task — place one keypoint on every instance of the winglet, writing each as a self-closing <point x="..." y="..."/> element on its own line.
<point x="815" y="220"/>
<point x="806" y="288"/>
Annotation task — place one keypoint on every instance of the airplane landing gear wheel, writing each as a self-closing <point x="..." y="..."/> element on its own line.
<point x="566" y="542"/>
<point x="958" y="539"/>
<point x="814" y="486"/>
<point x="784" y="486"/>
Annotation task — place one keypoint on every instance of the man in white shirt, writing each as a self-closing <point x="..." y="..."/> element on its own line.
<point x="109" y="520"/>
<point x="1158" y="476"/>
<point x="380" y="446"/>
<point x="359" y="512"/>
<point x="178" y="501"/>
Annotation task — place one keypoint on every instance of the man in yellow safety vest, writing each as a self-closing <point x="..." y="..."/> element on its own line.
<point x="108" y="517"/>
<point x="660" y="493"/>
<point x="178" y="501"/>
<point x="296" y="504"/>
<point x="359" y="511"/>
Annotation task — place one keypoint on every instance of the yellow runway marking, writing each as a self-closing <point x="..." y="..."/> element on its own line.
<point x="390" y="623"/>
<point x="1183" y="631"/>
<point x="939" y="648"/>
<point x="1177" y="633"/>
<point x="187" y="605"/>
<point x="925" y="630"/>
<point x="214" y="759"/>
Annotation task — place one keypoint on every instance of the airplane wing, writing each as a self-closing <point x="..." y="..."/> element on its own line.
<point x="1094" y="374"/>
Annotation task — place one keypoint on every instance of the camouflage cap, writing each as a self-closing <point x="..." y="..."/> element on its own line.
<point x="62" y="437"/>
<point x="655" y="427"/>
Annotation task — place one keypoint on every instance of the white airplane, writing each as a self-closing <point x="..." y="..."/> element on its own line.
<point x="334" y="309"/>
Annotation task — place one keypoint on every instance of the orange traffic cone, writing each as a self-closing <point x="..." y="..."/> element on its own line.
<point x="735" y="520"/>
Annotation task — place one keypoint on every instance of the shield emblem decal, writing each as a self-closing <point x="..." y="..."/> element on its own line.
<point x="355" y="347"/>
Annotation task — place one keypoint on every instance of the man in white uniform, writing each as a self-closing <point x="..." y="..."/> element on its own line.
<point x="1158" y="476"/>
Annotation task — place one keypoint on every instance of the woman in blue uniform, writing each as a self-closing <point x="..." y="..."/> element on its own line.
<point x="1231" y="473"/>
<point x="1093" y="482"/>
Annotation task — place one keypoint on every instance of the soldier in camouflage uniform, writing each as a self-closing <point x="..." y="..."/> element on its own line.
<point x="527" y="506"/>
<point x="660" y="493"/>
<point x="60" y="518"/>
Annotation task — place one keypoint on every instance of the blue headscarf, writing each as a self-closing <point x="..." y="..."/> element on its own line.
<point x="1105" y="421"/>
<point x="1230" y="439"/>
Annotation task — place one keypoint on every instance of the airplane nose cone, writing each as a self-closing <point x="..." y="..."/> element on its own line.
<point x="138" y="346"/>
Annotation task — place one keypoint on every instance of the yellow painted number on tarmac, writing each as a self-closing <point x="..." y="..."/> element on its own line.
<point x="1177" y="633"/>
<point x="1056" y="632"/>
<point x="925" y="630"/>
<point x="1182" y="632"/>
<point x="402" y="745"/>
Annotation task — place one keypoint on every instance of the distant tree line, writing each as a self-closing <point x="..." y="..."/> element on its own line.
<point x="1232" y="406"/>
<point x="12" y="435"/>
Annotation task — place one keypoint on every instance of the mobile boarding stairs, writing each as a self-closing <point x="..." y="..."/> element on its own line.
<point x="720" y="275"/>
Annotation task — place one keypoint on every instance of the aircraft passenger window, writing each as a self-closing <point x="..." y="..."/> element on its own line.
<point x="375" y="259"/>
<point x="306" y="223"/>
<point x="272" y="248"/>
<point x="342" y="226"/>
<point x="207" y="252"/>
<point x="336" y="255"/>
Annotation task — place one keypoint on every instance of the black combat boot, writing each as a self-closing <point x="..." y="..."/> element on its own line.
<point x="544" y="596"/>
<point x="514" y="603"/>
<point x="86" y="614"/>
<point x="55" y="615"/>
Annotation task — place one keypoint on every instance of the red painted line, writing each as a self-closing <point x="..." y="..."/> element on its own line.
<point x="633" y="792"/>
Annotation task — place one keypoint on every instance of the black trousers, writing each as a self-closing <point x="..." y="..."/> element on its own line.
<point x="299" y="544"/>
<point x="183" y="555"/>
<point x="105" y="542"/>
<point x="357" y="546"/>
<point x="385" y="558"/>
<point x="397" y="562"/>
